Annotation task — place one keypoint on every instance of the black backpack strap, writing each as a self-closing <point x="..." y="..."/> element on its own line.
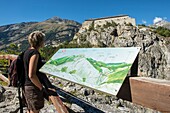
<point x="20" y="100"/>
<point x="20" y="85"/>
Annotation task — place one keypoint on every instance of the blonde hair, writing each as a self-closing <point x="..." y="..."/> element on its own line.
<point x="36" y="38"/>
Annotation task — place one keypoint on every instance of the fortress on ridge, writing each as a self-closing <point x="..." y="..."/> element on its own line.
<point x="120" y="19"/>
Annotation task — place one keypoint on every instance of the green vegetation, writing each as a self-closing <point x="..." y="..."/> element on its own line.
<point x="62" y="60"/>
<point x="3" y="66"/>
<point x="114" y="24"/>
<point x="12" y="49"/>
<point x="117" y="77"/>
<point x="114" y="66"/>
<point x="47" y="51"/>
<point x="91" y="27"/>
<point x="83" y="38"/>
<point x="61" y="85"/>
<point x="118" y="70"/>
<point x="84" y="79"/>
<point x="129" y="24"/>
<point x="72" y="72"/>
<point x="108" y="24"/>
<point x="143" y="25"/>
<point x="98" y="26"/>
<point x="102" y="30"/>
<point x="163" y="31"/>
<point x="111" y="66"/>
<point x="108" y="72"/>
<point x="3" y="62"/>
<point x="3" y="83"/>
<point x="64" y="69"/>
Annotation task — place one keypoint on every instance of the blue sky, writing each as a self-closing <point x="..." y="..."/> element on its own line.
<point x="144" y="11"/>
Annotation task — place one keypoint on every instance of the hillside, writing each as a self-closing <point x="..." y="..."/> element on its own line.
<point x="57" y="30"/>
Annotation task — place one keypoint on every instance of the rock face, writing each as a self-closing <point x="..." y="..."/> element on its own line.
<point x="154" y="56"/>
<point x="9" y="102"/>
<point x="99" y="103"/>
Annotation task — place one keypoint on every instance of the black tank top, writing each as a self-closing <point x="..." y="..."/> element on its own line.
<point x="27" y="55"/>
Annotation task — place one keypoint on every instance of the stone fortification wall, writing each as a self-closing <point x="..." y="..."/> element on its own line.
<point x="101" y="21"/>
<point x="121" y="20"/>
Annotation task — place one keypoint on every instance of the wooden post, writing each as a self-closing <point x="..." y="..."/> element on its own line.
<point x="2" y="77"/>
<point x="151" y="93"/>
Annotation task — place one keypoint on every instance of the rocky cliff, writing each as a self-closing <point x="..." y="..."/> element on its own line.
<point x="154" y="56"/>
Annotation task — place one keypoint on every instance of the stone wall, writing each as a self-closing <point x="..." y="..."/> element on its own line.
<point x="101" y="21"/>
<point x="121" y="20"/>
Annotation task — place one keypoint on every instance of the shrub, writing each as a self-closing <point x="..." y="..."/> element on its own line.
<point x="114" y="24"/>
<point x="91" y="27"/>
<point x="108" y="24"/>
<point x="163" y="31"/>
<point x="129" y="24"/>
<point x="142" y="25"/>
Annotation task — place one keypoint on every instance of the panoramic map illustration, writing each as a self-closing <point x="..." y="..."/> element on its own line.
<point x="103" y="69"/>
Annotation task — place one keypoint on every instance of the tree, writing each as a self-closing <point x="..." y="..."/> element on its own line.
<point x="91" y="27"/>
<point x="13" y="49"/>
<point x="47" y="51"/>
<point x="163" y="31"/>
<point x="167" y="33"/>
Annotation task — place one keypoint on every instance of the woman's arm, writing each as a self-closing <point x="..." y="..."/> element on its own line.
<point x="32" y="71"/>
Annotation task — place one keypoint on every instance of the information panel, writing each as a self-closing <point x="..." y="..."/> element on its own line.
<point x="103" y="69"/>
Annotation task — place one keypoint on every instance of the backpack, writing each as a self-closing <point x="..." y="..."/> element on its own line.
<point x="16" y="72"/>
<point x="16" y="76"/>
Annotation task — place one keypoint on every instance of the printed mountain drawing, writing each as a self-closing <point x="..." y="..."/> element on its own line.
<point x="96" y="70"/>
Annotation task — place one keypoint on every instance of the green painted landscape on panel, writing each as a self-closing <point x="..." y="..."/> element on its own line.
<point x="117" y="70"/>
<point x="101" y="69"/>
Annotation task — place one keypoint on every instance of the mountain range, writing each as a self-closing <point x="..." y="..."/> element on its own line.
<point x="162" y="23"/>
<point x="57" y="31"/>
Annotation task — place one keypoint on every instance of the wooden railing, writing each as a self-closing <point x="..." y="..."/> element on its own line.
<point x="8" y="57"/>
